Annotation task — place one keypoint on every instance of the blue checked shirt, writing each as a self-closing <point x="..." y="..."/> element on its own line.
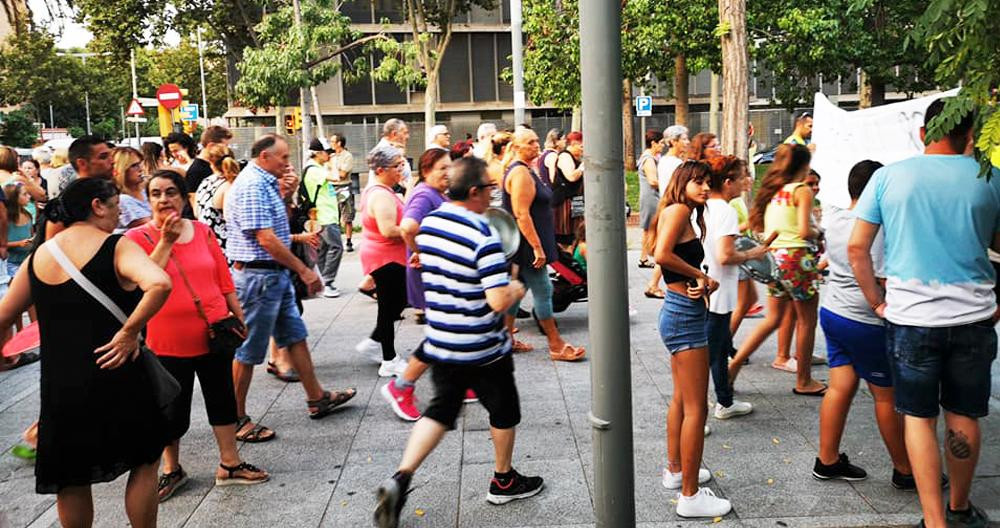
<point x="254" y="203"/>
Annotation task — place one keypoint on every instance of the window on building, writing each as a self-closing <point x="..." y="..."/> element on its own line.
<point x="388" y="92"/>
<point x="359" y="11"/>
<point x="453" y="81"/>
<point x="484" y="74"/>
<point x="479" y="15"/>
<point x="389" y="9"/>
<point x="505" y="90"/>
<point x="360" y="91"/>
<point x="505" y="11"/>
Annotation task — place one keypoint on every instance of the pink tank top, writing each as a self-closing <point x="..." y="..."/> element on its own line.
<point x="377" y="250"/>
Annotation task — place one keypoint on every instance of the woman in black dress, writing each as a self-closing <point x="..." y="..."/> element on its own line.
<point x="99" y="417"/>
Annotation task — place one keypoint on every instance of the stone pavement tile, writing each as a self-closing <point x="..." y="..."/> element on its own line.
<point x="565" y="498"/>
<point x="532" y="443"/>
<point x="294" y="499"/>
<point x="308" y="447"/>
<point x="534" y="412"/>
<point x="770" y="485"/>
<point x="386" y="450"/>
<point x="19" y="505"/>
<point x="829" y="521"/>
<point x="985" y="494"/>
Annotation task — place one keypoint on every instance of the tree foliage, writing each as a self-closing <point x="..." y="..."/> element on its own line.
<point x="653" y="33"/>
<point x="960" y="42"/>
<point x="17" y="129"/>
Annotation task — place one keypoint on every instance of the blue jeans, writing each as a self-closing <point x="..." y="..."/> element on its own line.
<point x="540" y="285"/>
<point x="720" y="341"/>
<point x="950" y="365"/>
<point x="268" y="301"/>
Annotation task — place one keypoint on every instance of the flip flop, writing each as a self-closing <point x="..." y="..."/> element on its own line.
<point x="521" y="346"/>
<point x="568" y="353"/>
<point x="288" y="376"/>
<point x="820" y="393"/>
<point x="789" y="366"/>
<point x="369" y="292"/>
<point x="653" y="294"/>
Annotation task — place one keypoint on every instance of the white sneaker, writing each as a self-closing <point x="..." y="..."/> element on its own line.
<point x="371" y="349"/>
<point x="702" y="504"/>
<point x="331" y="292"/>
<point x="673" y="480"/>
<point x="738" y="408"/>
<point x="393" y="367"/>
<point x="708" y="430"/>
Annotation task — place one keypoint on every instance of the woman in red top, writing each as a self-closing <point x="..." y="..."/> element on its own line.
<point x="383" y="255"/>
<point x="179" y="336"/>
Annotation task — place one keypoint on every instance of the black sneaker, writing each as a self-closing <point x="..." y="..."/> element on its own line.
<point x="971" y="518"/>
<point x="905" y="482"/>
<point x="170" y="483"/>
<point x="391" y="496"/>
<point x="349" y="246"/>
<point x="515" y="487"/>
<point x="842" y="469"/>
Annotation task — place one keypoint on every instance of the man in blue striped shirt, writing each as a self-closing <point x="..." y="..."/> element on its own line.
<point x="468" y="290"/>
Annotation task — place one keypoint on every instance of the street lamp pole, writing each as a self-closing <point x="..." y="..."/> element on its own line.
<point x="517" y="61"/>
<point x="135" y="91"/>
<point x="610" y="369"/>
<point x="201" y="66"/>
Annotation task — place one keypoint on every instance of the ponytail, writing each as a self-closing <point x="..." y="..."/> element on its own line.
<point x="789" y="160"/>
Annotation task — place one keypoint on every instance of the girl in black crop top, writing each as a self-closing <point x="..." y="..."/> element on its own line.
<point x="677" y="247"/>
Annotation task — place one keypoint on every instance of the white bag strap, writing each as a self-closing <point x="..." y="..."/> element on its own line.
<point x="84" y="282"/>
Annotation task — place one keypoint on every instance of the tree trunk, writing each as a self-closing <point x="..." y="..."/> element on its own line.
<point x="430" y="104"/>
<point x="279" y="119"/>
<point x="735" y="79"/>
<point x="680" y="90"/>
<point x="627" y="128"/>
<point x="576" y="122"/>
<point x="870" y="93"/>
<point x="713" y="104"/>
<point x="320" y="132"/>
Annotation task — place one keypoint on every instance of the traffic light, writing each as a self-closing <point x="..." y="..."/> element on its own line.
<point x="293" y="121"/>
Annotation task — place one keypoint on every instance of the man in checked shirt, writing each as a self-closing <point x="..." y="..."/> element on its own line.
<point x="258" y="245"/>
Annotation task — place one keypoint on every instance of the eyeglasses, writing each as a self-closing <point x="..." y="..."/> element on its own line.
<point x="484" y="186"/>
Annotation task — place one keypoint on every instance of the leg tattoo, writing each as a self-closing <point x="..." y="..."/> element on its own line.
<point x="958" y="444"/>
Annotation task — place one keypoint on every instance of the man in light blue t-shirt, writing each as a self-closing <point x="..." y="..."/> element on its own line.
<point x="938" y="219"/>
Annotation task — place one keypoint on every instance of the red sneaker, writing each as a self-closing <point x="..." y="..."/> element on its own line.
<point x="470" y="396"/>
<point x="755" y="310"/>
<point x="403" y="402"/>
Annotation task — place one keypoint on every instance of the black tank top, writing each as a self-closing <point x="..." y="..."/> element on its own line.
<point x="690" y="252"/>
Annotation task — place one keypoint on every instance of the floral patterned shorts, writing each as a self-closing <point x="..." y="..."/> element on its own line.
<point x="798" y="275"/>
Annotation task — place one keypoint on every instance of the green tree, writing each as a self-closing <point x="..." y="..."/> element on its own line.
<point x="960" y="43"/>
<point x="17" y="128"/>
<point x="32" y="72"/>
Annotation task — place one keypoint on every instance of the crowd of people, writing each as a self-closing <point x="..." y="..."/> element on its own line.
<point x="184" y="235"/>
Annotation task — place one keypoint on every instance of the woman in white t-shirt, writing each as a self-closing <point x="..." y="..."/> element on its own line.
<point x="676" y="138"/>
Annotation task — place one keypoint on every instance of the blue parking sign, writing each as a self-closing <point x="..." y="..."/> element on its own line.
<point x="189" y="112"/>
<point x="643" y="106"/>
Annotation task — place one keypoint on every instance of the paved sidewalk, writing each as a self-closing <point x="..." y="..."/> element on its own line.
<point x="324" y="472"/>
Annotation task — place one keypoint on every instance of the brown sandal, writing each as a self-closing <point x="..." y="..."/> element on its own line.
<point x="568" y="353"/>
<point x="256" y="434"/>
<point x="521" y="346"/>
<point x="329" y="402"/>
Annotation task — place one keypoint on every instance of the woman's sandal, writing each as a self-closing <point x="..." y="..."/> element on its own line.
<point x="645" y="263"/>
<point x="329" y="402"/>
<point x="234" y="480"/>
<point x="521" y="346"/>
<point x="369" y="292"/>
<point x="288" y="376"/>
<point x="568" y="353"/>
<point x="654" y="294"/>
<point x="256" y="434"/>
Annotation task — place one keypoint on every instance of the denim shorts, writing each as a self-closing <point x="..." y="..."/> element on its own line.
<point x="860" y="345"/>
<point x="268" y="301"/>
<point x="948" y="365"/>
<point x="682" y="323"/>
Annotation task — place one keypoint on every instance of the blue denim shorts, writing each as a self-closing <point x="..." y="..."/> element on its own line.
<point x="947" y="365"/>
<point x="860" y="345"/>
<point x="268" y="301"/>
<point x="682" y="323"/>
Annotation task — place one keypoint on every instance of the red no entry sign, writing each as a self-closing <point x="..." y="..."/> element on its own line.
<point x="169" y="96"/>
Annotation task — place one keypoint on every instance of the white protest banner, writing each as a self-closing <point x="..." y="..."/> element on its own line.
<point x="887" y="134"/>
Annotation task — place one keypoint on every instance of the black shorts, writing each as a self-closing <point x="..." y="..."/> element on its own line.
<point x="493" y="384"/>
<point x="215" y="375"/>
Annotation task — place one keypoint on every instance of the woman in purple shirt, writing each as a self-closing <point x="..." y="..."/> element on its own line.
<point x="425" y="197"/>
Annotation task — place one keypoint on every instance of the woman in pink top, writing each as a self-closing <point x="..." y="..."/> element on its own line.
<point x="383" y="255"/>
<point x="179" y="336"/>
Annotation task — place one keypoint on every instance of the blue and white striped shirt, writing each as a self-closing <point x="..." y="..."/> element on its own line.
<point x="254" y="203"/>
<point x="461" y="258"/>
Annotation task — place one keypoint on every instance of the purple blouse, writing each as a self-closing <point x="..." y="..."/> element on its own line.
<point x="422" y="200"/>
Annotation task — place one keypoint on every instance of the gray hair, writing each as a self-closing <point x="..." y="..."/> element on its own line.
<point x="392" y="126"/>
<point x="552" y="137"/>
<point x="382" y="157"/>
<point x="42" y="155"/>
<point x="674" y="132"/>
<point x="485" y="130"/>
